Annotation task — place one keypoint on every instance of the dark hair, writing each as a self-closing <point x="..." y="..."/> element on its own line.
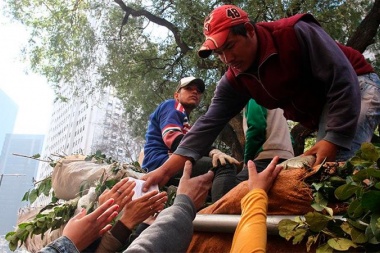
<point x="240" y="29"/>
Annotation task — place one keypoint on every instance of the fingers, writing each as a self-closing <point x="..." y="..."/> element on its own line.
<point x="214" y="161"/>
<point x="154" y="200"/>
<point x="252" y="172"/>
<point x="108" y="215"/>
<point x="277" y="170"/>
<point x="222" y="159"/>
<point x="209" y="176"/>
<point x="187" y="170"/>
<point x="233" y="160"/>
<point x="159" y="202"/>
<point x="148" y="182"/>
<point x="105" y="229"/>
<point x="124" y="187"/>
<point x="108" y="205"/>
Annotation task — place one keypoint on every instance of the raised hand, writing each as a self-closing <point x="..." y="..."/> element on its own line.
<point x="83" y="229"/>
<point x="196" y="188"/>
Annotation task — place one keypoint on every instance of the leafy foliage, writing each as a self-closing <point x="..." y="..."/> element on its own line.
<point x="356" y="185"/>
<point x="90" y="44"/>
<point x="51" y="217"/>
<point x="43" y="187"/>
<point x="58" y="212"/>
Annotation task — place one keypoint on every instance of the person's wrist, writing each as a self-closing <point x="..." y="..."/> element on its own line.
<point x="128" y="223"/>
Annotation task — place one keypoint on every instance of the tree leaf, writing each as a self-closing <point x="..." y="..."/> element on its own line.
<point x="25" y="197"/>
<point x="319" y="202"/>
<point x="33" y="195"/>
<point x="341" y="244"/>
<point x="36" y="156"/>
<point x="371" y="201"/>
<point x="355" y="209"/>
<point x="345" y="191"/>
<point x="369" y="152"/>
<point x="317" y="221"/>
<point x="375" y="225"/>
<point x="286" y="228"/>
<point x="312" y="239"/>
<point x="325" y="248"/>
<point x="299" y="234"/>
<point x="358" y="236"/>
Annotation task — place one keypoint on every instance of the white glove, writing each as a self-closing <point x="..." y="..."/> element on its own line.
<point x="218" y="155"/>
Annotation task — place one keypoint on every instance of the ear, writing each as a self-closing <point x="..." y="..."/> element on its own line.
<point x="176" y="96"/>
<point x="250" y="29"/>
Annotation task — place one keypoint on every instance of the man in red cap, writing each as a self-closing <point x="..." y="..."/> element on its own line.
<point x="293" y="64"/>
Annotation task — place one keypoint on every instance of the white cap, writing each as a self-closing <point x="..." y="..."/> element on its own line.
<point x="191" y="80"/>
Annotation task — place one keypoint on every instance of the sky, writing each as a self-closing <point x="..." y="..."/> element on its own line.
<point x="30" y="92"/>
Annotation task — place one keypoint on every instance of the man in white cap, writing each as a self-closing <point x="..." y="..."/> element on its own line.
<point x="167" y="126"/>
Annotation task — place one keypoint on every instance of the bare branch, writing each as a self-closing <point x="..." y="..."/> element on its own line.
<point x="157" y="20"/>
<point x="366" y="31"/>
<point x="31" y="157"/>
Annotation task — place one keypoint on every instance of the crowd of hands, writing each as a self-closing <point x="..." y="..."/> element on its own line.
<point x="83" y="229"/>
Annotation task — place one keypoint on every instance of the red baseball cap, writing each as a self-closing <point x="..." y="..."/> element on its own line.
<point x="217" y="27"/>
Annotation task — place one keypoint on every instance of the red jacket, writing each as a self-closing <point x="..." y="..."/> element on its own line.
<point x="300" y="69"/>
<point x="285" y="79"/>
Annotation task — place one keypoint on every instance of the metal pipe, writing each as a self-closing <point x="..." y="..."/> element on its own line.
<point x="227" y="223"/>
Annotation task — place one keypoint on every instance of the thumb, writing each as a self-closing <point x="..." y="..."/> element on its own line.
<point x="147" y="184"/>
<point x="251" y="169"/>
<point x="209" y="176"/>
<point x="187" y="170"/>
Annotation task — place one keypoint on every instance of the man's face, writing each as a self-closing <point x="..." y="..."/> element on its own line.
<point x="189" y="96"/>
<point x="239" y="52"/>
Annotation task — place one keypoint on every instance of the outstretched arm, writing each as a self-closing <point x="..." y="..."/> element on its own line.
<point x="251" y="232"/>
<point x="177" y="220"/>
<point x="162" y="174"/>
<point x="82" y="229"/>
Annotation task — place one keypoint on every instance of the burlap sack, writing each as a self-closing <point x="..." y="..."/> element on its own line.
<point x="289" y="195"/>
<point x="68" y="176"/>
<point x="72" y="172"/>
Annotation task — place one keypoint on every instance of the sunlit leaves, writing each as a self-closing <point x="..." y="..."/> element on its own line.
<point x="48" y="218"/>
<point x="42" y="187"/>
<point x="360" y="191"/>
<point x="346" y="191"/>
<point x="341" y="244"/>
<point x="78" y="43"/>
<point x="317" y="221"/>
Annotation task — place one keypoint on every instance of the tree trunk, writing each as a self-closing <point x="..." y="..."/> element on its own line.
<point x="299" y="134"/>
<point x="366" y="31"/>
<point x="233" y="136"/>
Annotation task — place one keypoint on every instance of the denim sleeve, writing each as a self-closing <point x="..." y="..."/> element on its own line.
<point x="60" y="245"/>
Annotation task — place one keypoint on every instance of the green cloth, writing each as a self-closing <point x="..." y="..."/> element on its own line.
<point x="256" y="117"/>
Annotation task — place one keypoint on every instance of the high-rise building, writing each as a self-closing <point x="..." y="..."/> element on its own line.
<point x="17" y="175"/>
<point x="84" y="125"/>
<point x="8" y="113"/>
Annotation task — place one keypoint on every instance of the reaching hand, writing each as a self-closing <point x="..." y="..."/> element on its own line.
<point x="218" y="155"/>
<point x="266" y="178"/>
<point x="162" y="174"/>
<point x="156" y="177"/>
<point x="122" y="193"/>
<point x="141" y="208"/>
<point x="195" y="188"/>
<point x="323" y="149"/>
<point x="83" y="229"/>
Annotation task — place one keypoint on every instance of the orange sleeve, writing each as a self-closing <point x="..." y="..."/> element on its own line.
<point x="251" y="232"/>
